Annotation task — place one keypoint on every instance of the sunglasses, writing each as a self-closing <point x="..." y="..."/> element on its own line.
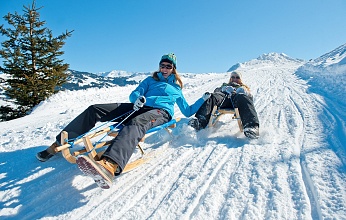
<point x="166" y="66"/>
<point x="235" y="77"/>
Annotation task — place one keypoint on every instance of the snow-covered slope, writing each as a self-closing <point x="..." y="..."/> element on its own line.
<point x="295" y="170"/>
<point x="333" y="62"/>
<point x="327" y="74"/>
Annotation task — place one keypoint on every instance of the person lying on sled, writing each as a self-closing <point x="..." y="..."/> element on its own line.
<point x="230" y="95"/>
<point x="153" y="102"/>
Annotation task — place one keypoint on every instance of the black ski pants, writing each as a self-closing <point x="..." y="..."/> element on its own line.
<point x="243" y="102"/>
<point x="128" y="138"/>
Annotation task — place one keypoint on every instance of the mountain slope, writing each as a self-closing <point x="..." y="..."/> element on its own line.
<point x="327" y="74"/>
<point x="295" y="170"/>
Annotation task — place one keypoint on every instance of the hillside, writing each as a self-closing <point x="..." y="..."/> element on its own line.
<point x="295" y="170"/>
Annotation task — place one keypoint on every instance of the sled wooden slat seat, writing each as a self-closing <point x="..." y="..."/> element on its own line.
<point x="91" y="149"/>
<point x="218" y="112"/>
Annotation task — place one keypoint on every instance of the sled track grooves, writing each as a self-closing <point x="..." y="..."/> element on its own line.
<point x="126" y="189"/>
<point x="94" y="194"/>
<point x="211" y="173"/>
<point x="308" y="124"/>
<point x="173" y="198"/>
<point x="194" y="173"/>
<point x="227" y="205"/>
<point x="165" y="175"/>
<point x="279" y="114"/>
<point x="140" y="188"/>
<point x="330" y="149"/>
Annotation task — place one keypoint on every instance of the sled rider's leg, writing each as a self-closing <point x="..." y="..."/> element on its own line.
<point x="247" y="110"/>
<point x="84" y="122"/>
<point x="93" y="114"/>
<point x="125" y="143"/>
<point x="204" y="112"/>
<point x="47" y="153"/>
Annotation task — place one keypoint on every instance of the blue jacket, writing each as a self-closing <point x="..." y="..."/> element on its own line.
<point x="163" y="94"/>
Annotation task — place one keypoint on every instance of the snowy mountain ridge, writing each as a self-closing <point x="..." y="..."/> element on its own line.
<point x="334" y="57"/>
<point x="333" y="62"/>
<point x="115" y="73"/>
<point x="277" y="58"/>
<point x="268" y="59"/>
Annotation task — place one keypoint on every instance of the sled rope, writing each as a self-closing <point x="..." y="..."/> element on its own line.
<point x="223" y="100"/>
<point x="72" y="140"/>
<point x="112" y="128"/>
<point x="227" y="96"/>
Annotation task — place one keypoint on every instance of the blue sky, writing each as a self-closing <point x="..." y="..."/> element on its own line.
<point x="206" y="36"/>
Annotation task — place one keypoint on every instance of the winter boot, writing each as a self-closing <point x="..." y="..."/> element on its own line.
<point x="251" y="132"/>
<point x="101" y="171"/>
<point x="195" y="124"/>
<point x="48" y="153"/>
<point x="198" y="123"/>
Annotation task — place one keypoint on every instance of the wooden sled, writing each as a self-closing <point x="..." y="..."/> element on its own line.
<point x="217" y="113"/>
<point x="94" y="152"/>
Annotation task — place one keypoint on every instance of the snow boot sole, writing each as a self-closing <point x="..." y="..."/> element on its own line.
<point x="92" y="169"/>
<point x="43" y="156"/>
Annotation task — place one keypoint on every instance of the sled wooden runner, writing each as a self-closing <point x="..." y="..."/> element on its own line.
<point x="94" y="152"/>
<point x="217" y="113"/>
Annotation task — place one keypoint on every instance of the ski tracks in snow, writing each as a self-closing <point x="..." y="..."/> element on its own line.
<point x="301" y="116"/>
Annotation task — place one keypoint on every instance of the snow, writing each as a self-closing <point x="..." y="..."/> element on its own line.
<point x="295" y="170"/>
<point x="115" y="73"/>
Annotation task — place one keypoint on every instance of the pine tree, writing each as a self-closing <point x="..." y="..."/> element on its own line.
<point x="31" y="60"/>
